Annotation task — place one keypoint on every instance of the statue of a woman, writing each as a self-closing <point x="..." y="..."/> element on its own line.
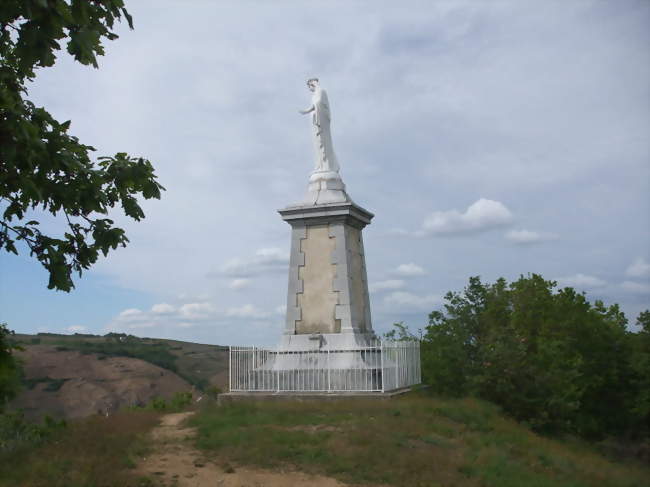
<point x="325" y="158"/>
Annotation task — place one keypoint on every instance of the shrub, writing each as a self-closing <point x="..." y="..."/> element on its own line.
<point x="547" y="357"/>
<point x="178" y="402"/>
<point x="16" y="432"/>
<point x="10" y="370"/>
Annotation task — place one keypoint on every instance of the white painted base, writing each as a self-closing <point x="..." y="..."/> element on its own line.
<point x="324" y="341"/>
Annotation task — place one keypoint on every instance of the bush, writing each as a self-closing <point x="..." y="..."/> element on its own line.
<point x="178" y="402"/>
<point x="16" y="432"/>
<point x="549" y="358"/>
<point x="10" y="370"/>
<point x="213" y="391"/>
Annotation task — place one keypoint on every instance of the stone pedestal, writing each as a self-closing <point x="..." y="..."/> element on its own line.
<point x="327" y="299"/>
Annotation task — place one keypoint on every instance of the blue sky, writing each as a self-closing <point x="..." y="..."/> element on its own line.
<point x="489" y="138"/>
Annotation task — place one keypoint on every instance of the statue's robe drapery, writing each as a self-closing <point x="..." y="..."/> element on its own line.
<point x="325" y="158"/>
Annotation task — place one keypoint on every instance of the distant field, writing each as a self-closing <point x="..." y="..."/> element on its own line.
<point x="199" y="364"/>
<point x="416" y="440"/>
<point x="73" y="376"/>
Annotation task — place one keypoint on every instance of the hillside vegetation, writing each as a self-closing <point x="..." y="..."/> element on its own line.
<point x="201" y="365"/>
<point x="415" y="440"/>
<point x="69" y="384"/>
<point x="548" y="357"/>
<point x="96" y="451"/>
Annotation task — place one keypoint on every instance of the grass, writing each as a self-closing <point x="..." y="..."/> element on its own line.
<point x="413" y="440"/>
<point x="179" y="402"/>
<point x="97" y="451"/>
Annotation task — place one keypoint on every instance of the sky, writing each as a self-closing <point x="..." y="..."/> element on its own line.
<point x="488" y="138"/>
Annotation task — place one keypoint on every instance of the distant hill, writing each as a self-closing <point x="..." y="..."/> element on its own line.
<point x="72" y="376"/>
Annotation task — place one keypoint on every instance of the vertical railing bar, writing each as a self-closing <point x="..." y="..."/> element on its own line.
<point x="381" y="364"/>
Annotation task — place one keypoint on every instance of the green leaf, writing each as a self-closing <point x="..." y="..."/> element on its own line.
<point x="44" y="166"/>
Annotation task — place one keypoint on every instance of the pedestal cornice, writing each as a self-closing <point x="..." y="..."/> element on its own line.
<point x="347" y="212"/>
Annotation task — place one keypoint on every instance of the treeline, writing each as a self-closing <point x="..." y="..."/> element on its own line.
<point x="548" y="357"/>
<point x="156" y="353"/>
<point x="123" y="345"/>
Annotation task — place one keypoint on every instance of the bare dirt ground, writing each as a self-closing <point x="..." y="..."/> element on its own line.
<point x="70" y="384"/>
<point x="175" y="462"/>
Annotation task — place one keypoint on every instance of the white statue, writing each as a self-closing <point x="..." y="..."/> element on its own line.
<point x="325" y="158"/>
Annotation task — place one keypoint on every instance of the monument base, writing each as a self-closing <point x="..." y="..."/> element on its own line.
<point x="233" y="397"/>
<point x="324" y="341"/>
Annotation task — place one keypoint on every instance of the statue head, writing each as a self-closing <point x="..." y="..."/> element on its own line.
<point x="312" y="83"/>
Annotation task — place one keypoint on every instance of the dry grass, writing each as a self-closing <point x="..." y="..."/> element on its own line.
<point x="415" y="440"/>
<point x="97" y="451"/>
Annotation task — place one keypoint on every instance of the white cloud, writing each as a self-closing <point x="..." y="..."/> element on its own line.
<point x="482" y="215"/>
<point x="239" y="283"/>
<point x="635" y="287"/>
<point x="580" y="281"/>
<point x="196" y="310"/>
<point x="639" y="268"/>
<point x="200" y="316"/>
<point x="130" y="313"/>
<point x="281" y="310"/>
<point x="133" y="318"/>
<point x="265" y="260"/>
<point x="245" y="311"/>
<point x="76" y="329"/>
<point x="529" y="125"/>
<point x="405" y="301"/>
<point x="162" y="308"/>
<point x="386" y="285"/>
<point x="528" y="237"/>
<point x="272" y="254"/>
<point x="409" y="270"/>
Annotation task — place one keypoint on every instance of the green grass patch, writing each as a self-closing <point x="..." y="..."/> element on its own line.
<point x="97" y="451"/>
<point x="179" y="402"/>
<point x="413" y="440"/>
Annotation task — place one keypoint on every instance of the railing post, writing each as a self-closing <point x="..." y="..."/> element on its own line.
<point x="329" y="383"/>
<point x="396" y="367"/>
<point x="381" y="364"/>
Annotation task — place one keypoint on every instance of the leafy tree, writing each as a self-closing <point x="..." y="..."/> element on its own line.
<point x="9" y="367"/>
<point x="643" y="320"/>
<point x="43" y="166"/>
<point x="547" y="357"/>
<point x="400" y="333"/>
<point x="639" y="344"/>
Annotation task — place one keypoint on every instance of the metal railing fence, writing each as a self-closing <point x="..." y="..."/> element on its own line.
<point x="380" y="367"/>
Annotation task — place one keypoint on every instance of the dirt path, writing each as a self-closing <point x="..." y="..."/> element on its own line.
<point x="175" y="462"/>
